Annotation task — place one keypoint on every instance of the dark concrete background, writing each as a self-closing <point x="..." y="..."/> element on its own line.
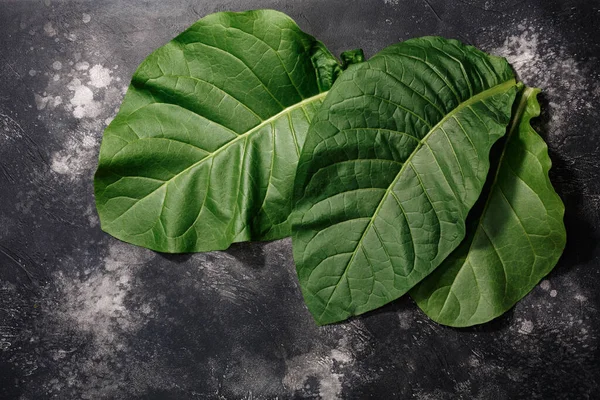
<point x="83" y="315"/>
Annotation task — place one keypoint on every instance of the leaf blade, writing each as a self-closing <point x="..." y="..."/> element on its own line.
<point x="521" y="207"/>
<point x="218" y="115"/>
<point x="373" y="262"/>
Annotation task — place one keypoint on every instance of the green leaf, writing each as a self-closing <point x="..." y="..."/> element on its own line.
<point x="394" y="160"/>
<point x="514" y="239"/>
<point x="203" y="151"/>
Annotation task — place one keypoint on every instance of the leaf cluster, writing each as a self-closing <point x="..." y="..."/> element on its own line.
<point x="416" y="171"/>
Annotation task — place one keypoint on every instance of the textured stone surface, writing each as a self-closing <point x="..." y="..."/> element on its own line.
<point x="83" y="315"/>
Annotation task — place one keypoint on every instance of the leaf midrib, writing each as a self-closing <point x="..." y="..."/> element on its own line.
<point x="480" y="96"/>
<point x="211" y="155"/>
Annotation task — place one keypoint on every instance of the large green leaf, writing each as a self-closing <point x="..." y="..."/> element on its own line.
<point x="203" y="151"/>
<point x="394" y="160"/>
<point x="514" y="238"/>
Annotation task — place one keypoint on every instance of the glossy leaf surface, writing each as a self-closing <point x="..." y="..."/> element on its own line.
<point x="514" y="239"/>
<point x="203" y="151"/>
<point x="393" y="162"/>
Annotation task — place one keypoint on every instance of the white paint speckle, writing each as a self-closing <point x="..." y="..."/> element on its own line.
<point x="90" y="104"/>
<point x="83" y="101"/>
<point x="564" y="80"/>
<point x="553" y="293"/>
<point x="77" y="157"/>
<point x="325" y="367"/>
<point x="49" y="29"/>
<point x="474" y="362"/>
<point x="526" y="327"/>
<point x="9" y="130"/>
<point x="82" y="96"/>
<point x="82" y="66"/>
<point x="86" y="18"/>
<point x="520" y="49"/>
<point x="92" y="216"/>
<point x="146" y="308"/>
<point x="32" y="72"/>
<point x="97" y="303"/>
<point x="406" y="318"/>
<point x="580" y="298"/>
<point x="57" y="65"/>
<point x="545" y="284"/>
<point x="41" y="102"/>
<point x="100" y="76"/>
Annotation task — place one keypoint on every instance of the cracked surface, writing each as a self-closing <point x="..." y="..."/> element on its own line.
<point x="83" y="315"/>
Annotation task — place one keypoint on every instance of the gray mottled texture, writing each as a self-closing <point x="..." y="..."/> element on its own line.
<point x="83" y="315"/>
